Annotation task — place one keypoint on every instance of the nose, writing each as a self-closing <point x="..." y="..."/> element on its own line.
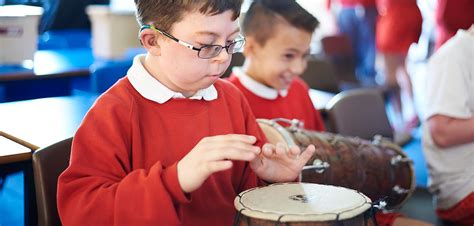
<point x="298" y="66"/>
<point x="222" y="57"/>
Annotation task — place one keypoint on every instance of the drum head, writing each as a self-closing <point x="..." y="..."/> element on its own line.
<point x="301" y="202"/>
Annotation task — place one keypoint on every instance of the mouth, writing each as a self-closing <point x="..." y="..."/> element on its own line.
<point x="286" y="80"/>
<point x="216" y="76"/>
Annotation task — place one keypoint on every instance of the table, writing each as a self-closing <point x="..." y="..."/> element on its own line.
<point x="56" y="73"/>
<point x="40" y="122"/>
<point x="50" y="64"/>
<point x="44" y="121"/>
<point x="52" y="73"/>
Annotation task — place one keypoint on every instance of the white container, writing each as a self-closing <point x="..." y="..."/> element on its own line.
<point x="18" y="33"/>
<point x="122" y="5"/>
<point x="113" y="31"/>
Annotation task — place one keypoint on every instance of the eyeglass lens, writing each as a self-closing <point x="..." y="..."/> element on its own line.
<point x="212" y="51"/>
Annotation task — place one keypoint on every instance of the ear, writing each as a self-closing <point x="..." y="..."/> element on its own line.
<point x="251" y="47"/>
<point x="149" y="40"/>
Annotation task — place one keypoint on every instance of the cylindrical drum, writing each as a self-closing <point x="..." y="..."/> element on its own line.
<point x="302" y="204"/>
<point x="378" y="168"/>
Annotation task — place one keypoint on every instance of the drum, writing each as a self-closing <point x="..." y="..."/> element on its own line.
<point x="378" y="169"/>
<point x="302" y="204"/>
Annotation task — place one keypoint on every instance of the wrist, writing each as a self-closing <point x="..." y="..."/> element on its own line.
<point x="181" y="178"/>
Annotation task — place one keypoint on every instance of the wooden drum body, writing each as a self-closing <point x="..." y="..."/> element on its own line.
<point x="378" y="169"/>
<point x="302" y="204"/>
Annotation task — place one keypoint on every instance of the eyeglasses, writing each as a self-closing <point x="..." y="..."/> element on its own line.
<point x="206" y="51"/>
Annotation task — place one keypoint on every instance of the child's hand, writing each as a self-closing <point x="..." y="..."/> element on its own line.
<point x="280" y="163"/>
<point x="214" y="154"/>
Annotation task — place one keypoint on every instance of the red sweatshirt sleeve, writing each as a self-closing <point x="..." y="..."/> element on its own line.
<point x="99" y="187"/>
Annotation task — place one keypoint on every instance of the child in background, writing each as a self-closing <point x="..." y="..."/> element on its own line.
<point x="278" y="35"/>
<point x="171" y="143"/>
<point x="448" y="128"/>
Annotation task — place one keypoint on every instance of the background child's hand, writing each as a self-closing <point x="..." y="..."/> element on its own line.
<point x="214" y="154"/>
<point x="278" y="163"/>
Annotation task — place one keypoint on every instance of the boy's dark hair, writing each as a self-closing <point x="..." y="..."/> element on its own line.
<point x="262" y="16"/>
<point x="164" y="13"/>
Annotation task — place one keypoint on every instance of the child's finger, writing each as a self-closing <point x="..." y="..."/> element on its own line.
<point x="230" y="154"/>
<point x="267" y="149"/>
<point x="236" y="137"/>
<point x="307" y="154"/>
<point x="217" y="166"/>
<point x="294" y="151"/>
<point x="281" y="149"/>
<point x="225" y="145"/>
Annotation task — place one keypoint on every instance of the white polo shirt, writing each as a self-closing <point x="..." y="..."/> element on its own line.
<point x="257" y="88"/>
<point x="152" y="89"/>
<point x="450" y="92"/>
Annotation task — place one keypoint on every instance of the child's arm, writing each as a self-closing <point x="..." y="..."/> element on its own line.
<point x="103" y="187"/>
<point x="449" y="131"/>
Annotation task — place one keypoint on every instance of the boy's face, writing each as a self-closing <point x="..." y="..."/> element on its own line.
<point x="180" y="68"/>
<point x="281" y="58"/>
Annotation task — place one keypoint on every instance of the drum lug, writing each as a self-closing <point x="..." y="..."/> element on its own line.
<point x="381" y="205"/>
<point x="377" y="140"/>
<point x="397" y="159"/>
<point x="399" y="190"/>
<point x="318" y="166"/>
<point x="295" y="124"/>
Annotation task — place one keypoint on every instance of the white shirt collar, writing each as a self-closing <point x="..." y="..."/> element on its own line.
<point x="152" y="89"/>
<point x="257" y="88"/>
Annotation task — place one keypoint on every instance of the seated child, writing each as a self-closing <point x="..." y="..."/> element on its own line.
<point x="171" y="143"/>
<point x="448" y="128"/>
<point x="278" y="35"/>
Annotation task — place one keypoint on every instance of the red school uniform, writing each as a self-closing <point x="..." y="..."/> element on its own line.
<point x="398" y="26"/>
<point x="296" y="104"/>
<point x="123" y="168"/>
<point x="452" y="15"/>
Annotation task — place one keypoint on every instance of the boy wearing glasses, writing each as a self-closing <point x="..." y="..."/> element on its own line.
<point x="171" y="143"/>
<point x="278" y="36"/>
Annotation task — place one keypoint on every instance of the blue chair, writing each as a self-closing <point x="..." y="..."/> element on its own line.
<point x="105" y="74"/>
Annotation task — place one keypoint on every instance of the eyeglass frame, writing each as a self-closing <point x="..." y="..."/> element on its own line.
<point x="189" y="46"/>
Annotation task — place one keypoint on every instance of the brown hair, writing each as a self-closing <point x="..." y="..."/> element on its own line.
<point x="164" y="13"/>
<point x="262" y="16"/>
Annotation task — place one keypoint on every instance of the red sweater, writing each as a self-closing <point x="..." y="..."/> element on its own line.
<point x="123" y="168"/>
<point x="451" y="16"/>
<point x="296" y="105"/>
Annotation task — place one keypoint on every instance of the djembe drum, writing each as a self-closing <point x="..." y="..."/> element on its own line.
<point x="302" y="204"/>
<point x="378" y="169"/>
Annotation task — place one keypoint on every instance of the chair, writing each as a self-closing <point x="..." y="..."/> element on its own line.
<point x="105" y="74"/>
<point x="338" y="49"/>
<point x="361" y="113"/>
<point x="48" y="164"/>
<point x="321" y="75"/>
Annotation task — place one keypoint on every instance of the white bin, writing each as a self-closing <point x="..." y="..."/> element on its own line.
<point x="18" y="33"/>
<point x="113" y="32"/>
